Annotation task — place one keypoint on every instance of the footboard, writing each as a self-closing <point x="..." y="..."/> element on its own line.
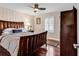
<point x="29" y="44"/>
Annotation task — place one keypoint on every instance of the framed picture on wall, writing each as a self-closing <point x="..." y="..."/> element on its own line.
<point x="38" y="20"/>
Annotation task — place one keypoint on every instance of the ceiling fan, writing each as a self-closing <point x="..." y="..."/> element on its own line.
<point x="36" y="7"/>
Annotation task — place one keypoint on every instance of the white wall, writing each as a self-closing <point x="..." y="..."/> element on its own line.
<point x="41" y="27"/>
<point x="11" y="15"/>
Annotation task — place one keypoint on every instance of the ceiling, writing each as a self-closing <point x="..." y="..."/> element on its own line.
<point x="50" y="7"/>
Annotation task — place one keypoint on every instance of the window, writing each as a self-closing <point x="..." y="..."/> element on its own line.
<point x="49" y="24"/>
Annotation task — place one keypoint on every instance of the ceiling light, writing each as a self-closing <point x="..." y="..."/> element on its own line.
<point x="36" y="9"/>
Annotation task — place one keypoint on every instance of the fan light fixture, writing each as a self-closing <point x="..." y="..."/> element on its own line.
<point x="36" y="7"/>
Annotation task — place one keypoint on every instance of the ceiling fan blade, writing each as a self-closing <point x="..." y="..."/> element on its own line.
<point x="35" y="5"/>
<point x="42" y="8"/>
<point x="30" y="6"/>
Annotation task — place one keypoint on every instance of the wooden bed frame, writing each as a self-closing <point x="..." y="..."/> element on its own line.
<point x="27" y="44"/>
<point x="10" y="24"/>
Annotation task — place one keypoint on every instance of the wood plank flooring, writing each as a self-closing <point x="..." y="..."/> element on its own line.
<point x="49" y="51"/>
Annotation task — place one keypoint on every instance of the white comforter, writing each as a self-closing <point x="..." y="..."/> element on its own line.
<point x="11" y="42"/>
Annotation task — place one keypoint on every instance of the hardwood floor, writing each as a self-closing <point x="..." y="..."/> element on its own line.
<point x="49" y="51"/>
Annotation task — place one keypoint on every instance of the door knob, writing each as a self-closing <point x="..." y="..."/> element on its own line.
<point x="76" y="46"/>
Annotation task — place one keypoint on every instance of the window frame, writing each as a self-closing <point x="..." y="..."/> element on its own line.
<point x="49" y="25"/>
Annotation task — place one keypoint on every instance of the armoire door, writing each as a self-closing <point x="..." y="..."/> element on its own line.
<point x="68" y="33"/>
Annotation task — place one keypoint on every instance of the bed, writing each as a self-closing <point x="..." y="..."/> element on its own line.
<point x="22" y="43"/>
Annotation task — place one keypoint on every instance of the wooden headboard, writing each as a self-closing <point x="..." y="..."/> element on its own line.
<point x="10" y="24"/>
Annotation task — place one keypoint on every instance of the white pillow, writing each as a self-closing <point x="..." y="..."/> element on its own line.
<point x="8" y="31"/>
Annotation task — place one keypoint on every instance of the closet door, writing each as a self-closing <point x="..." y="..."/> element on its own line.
<point x="68" y="33"/>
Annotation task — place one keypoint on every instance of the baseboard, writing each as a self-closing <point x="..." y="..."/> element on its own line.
<point x="53" y="42"/>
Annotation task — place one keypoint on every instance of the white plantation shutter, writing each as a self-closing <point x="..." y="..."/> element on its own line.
<point x="49" y="24"/>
